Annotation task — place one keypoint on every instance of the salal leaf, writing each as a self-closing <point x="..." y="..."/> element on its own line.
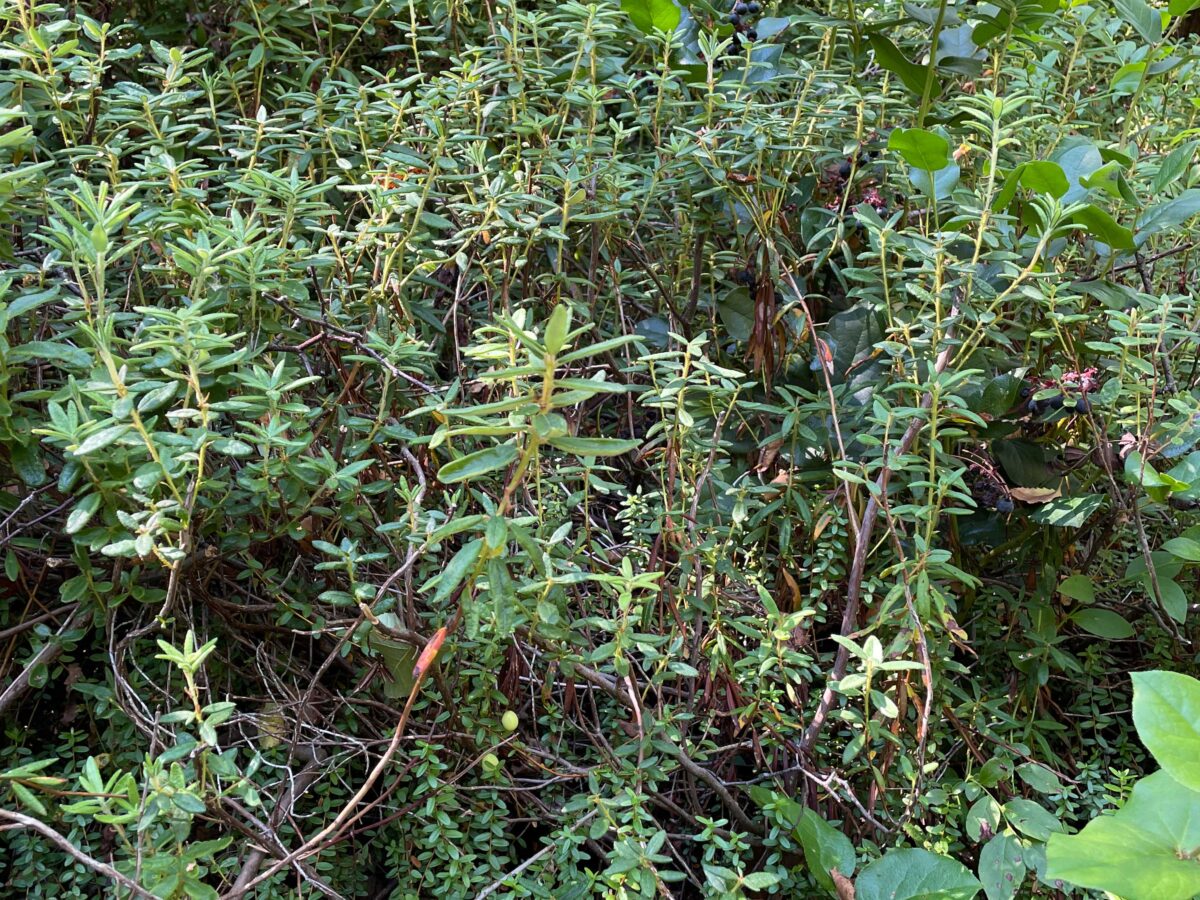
<point x="651" y="15"/>
<point x="1146" y="850"/>
<point x="921" y="149"/>
<point x="825" y="848"/>
<point x="1103" y="227"/>
<point x="913" y="874"/>
<point x="1166" y="711"/>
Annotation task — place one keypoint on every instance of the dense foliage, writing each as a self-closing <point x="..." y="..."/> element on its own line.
<point x="623" y="449"/>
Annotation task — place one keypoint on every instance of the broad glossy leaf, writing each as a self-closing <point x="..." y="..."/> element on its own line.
<point x="1168" y="214"/>
<point x="921" y="149"/>
<point x="1045" y="177"/>
<point x="1002" y="867"/>
<point x="1145" y="19"/>
<point x="1031" y="818"/>
<point x="1166" y="712"/>
<point x="1183" y="548"/>
<point x="649" y="15"/>
<point x="1069" y="512"/>
<point x="1103" y="227"/>
<point x="913" y="874"/>
<point x="1078" y="587"/>
<point x="1103" y="623"/>
<point x="910" y="74"/>
<point x="478" y="463"/>
<point x="1078" y="158"/>
<point x="825" y="848"/>
<point x="1146" y="850"/>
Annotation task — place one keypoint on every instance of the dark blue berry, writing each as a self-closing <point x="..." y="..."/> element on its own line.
<point x="754" y="7"/>
<point x="752" y="34"/>
<point x="1082" y="405"/>
<point x="1004" y="505"/>
<point x="735" y="19"/>
<point x="741" y="9"/>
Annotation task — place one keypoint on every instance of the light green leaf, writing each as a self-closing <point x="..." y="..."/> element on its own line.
<point x="1166" y="712"/>
<point x="457" y="569"/>
<point x="1002" y="867"/>
<point x="101" y="439"/>
<point x="478" y="463"/>
<point x="1103" y="623"/>
<point x="825" y="848"/>
<point x="921" y="149"/>
<point x="82" y="513"/>
<point x="1145" y="19"/>
<point x="649" y="15"/>
<point x="1078" y="587"/>
<point x="1183" y="548"/>
<point x="1145" y="851"/>
<point x="1031" y="818"/>
<point x="913" y="874"/>
<point x="582" y="446"/>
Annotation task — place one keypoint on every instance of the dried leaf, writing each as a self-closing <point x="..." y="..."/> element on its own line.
<point x="1036" y="495"/>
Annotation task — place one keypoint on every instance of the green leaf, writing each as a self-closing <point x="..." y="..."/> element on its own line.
<point x="1103" y="227"/>
<point x="984" y="810"/>
<point x="27" y="798"/>
<point x="921" y="149"/>
<point x="1002" y="867"/>
<point x="651" y="15"/>
<point x="582" y="446"/>
<point x="1166" y="713"/>
<point x="910" y="74"/>
<point x="478" y="463"/>
<point x="1078" y="587"/>
<point x="1078" y="158"/>
<point x="913" y="874"/>
<point x="1031" y="818"/>
<point x="1168" y="214"/>
<point x="1183" y="548"/>
<point x="1069" y="512"/>
<point x="1182" y="7"/>
<point x="937" y="185"/>
<point x="1146" y="850"/>
<point x="1145" y="19"/>
<point x="1039" y="778"/>
<point x="82" y="513"/>
<point x="458" y="568"/>
<point x="557" y="328"/>
<point x="101" y="439"/>
<point x="1044" y="177"/>
<point x="825" y="848"/>
<point x="188" y="802"/>
<point x="1103" y="623"/>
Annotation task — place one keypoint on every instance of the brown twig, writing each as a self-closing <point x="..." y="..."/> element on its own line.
<point x="22" y="821"/>
<point x="858" y="564"/>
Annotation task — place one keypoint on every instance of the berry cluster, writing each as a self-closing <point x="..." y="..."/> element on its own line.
<point x="738" y="18"/>
<point x="989" y="492"/>
<point x="1072" y="390"/>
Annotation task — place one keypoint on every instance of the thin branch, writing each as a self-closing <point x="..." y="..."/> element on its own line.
<point x="67" y="847"/>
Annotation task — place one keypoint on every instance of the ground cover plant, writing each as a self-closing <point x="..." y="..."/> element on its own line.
<point x="631" y="449"/>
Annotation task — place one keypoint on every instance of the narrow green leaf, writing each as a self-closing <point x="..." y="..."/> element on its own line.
<point x="478" y="463"/>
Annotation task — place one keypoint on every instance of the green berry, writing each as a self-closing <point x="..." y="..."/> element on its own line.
<point x="491" y="762"/>
<point x="510" y="721"/>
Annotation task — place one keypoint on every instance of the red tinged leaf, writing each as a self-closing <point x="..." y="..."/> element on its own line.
<point x="425" y="660"/>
